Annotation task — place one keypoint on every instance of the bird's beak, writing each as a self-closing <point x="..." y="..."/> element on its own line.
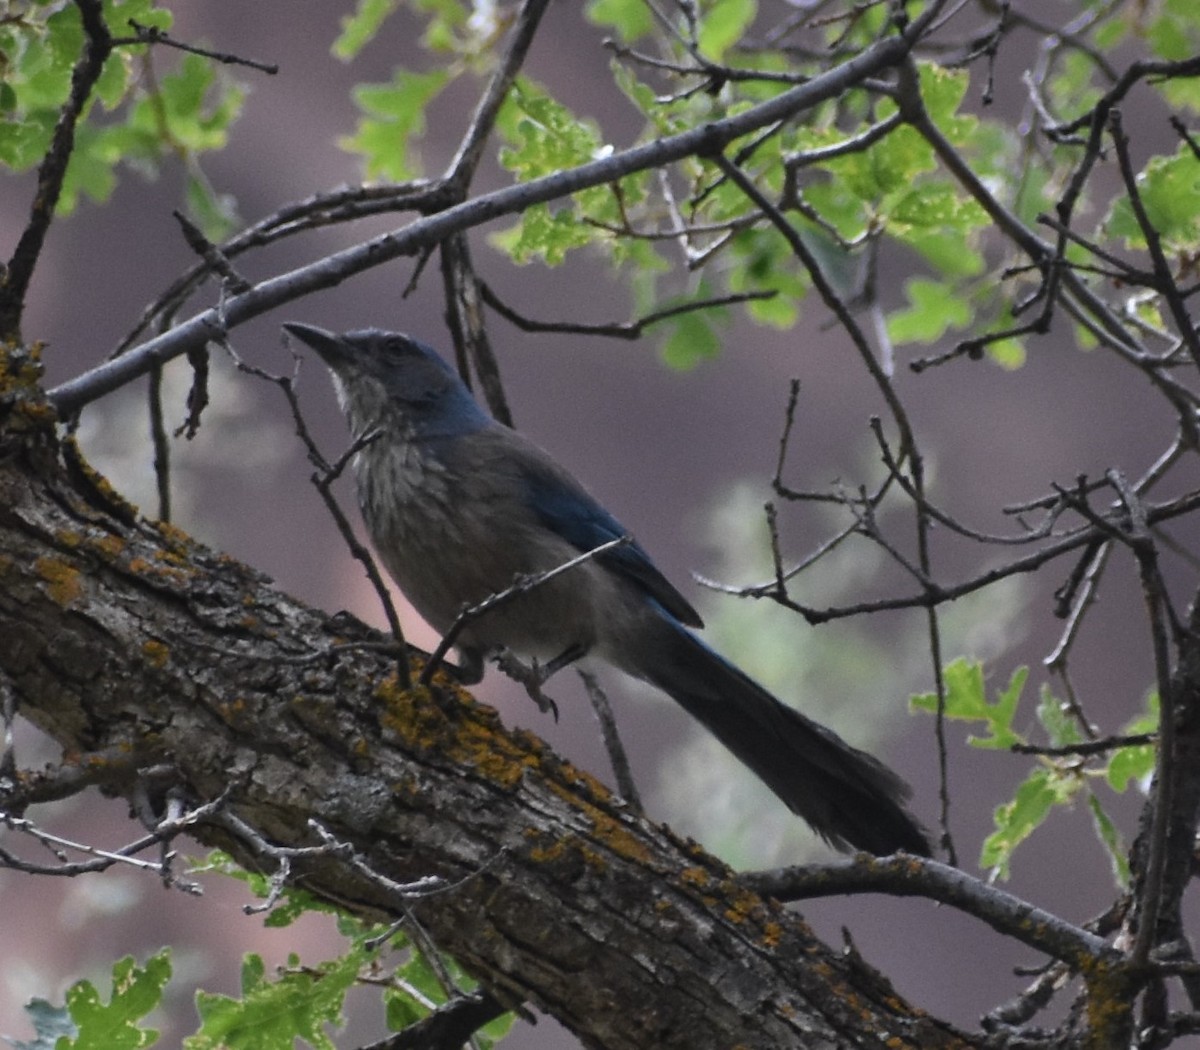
<point x="332" y="348"/>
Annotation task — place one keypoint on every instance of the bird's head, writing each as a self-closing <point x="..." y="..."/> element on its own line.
<point x="377" y="372"/>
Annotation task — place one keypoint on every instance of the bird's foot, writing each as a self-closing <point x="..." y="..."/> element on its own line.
<point x="532" y="676"/>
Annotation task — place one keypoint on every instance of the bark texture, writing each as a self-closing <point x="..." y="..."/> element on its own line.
<point x="123" y="637"/>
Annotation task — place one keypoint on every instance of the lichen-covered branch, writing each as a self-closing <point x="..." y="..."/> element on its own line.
<point x="122" y="635"/>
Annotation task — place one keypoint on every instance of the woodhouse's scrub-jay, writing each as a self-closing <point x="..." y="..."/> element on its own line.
<point x="459" y="506"/>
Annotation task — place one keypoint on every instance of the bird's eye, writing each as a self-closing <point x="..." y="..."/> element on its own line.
<point x="398" y="346"/>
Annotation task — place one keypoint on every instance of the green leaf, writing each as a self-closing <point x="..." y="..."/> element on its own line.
<point x="1110" y="838"/>
<point x="1128" y="764"/>
<point x="765" y="263"/>
<point x="630" y="18"/>
<point x="1007" y="353"/>
<point x="298" y="1004"/>
<point x="937" y="206"/>
<point x="1062" y="727"/>
<point x="954" y="254"/>
<point x="1136" y="762"/>
<point x="394" y="120"/>
<point x="215" y="213"/>
<point x="1175" y="34"/>
<point x="359" y="29"/>
<point x="542" y="135"/>
<point x="540" y="233"/>
<point x="692" y="341"/>
<point x="113" y="1025"/>
<point x="935" y="309"/>
<point x="1015" y="821"/>
<point x="966" y="700"/>
<point x="723" y="24"/>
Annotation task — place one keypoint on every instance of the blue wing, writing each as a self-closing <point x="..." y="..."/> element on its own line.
<point x="562" y="505"/>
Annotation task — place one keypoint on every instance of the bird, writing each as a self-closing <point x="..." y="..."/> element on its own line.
<point x="459" y="506"/>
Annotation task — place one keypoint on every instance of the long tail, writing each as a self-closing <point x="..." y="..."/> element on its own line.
<point x="851" y="800"/>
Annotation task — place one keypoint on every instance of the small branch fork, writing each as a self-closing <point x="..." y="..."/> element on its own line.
<point x="102" y="859"/>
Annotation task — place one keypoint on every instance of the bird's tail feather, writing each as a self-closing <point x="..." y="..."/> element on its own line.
<point x="851" y="799"/>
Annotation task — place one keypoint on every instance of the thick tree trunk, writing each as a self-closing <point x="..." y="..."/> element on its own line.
<point x="122" y="636"/>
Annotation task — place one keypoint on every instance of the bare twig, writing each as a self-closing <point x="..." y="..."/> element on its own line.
<point x="612" y="739"/>
<point x="520" y="586"/>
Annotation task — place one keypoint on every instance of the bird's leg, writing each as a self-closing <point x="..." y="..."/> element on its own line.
<point x="567" y="657"/>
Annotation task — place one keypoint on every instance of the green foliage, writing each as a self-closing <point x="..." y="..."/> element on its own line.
<point x="303" y="1001"/>
<point x="934" y="309"/>
<point x="1169" y="188"/>
<point x="966" y="701"/>
<point x="631" y="19"/>
<point x="722" y="25"/>
<point x="1056" y="780"/>
<point x="183" y="113"/>
<point x="691" y="341"/>
<point x="359" y="29"/>
<point x="297" y="1002"/>
<point x="393" y="122"/>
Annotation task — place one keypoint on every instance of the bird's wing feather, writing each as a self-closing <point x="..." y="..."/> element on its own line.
<point x="565" y="507"/>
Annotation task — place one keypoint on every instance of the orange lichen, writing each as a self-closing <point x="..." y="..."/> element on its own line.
<point x="772" y="934"/>
<point x="231" y="710"/>
<point x="63" y="580"/>
<point x="475" y="739"/>
<point x="110" y="545"/>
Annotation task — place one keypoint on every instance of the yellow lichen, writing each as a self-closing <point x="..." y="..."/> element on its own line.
<point x="63" y="580"/>
<point x="99" y="483"/>
<point x="568" y="846"/>
<point x="20" y="378"/>
<point x="172" y="557"/>
<point x="172" y="533"/>
<point x="142" y="567"/>
<point x="155" y="652"/>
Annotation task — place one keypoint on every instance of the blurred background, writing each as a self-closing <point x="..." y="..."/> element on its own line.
<point x="683" y="459"/>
